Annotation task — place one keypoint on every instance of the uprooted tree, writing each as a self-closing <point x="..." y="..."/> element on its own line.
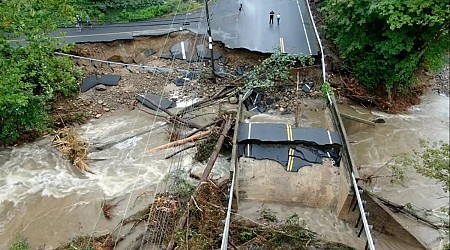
<point x="384" y="42"/>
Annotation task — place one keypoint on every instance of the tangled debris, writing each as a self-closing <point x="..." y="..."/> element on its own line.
<point x="107" y="206"/>
<point x="204" y="226"/>
<point x="73" y="147"/>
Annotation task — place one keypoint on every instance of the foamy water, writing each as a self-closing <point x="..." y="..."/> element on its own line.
<point x="49" y="201"/>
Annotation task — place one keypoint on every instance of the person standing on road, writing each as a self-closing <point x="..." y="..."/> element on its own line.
<point x="271" y="14"/>
<point x="88" y="22"/>
<point x="278" y="18"/>
<point x="79" y="27"/>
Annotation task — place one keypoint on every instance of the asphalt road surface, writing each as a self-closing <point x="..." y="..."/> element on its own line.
<point x="107" y="33"/>
<point x="249" y="29"/>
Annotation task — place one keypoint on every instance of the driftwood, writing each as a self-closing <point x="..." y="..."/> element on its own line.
<point x="403" y="209"/>
<point x="200" y="129"/>
<point x="190" y="124"/>
<point x="180" y="142"/>
<point x="223" y="92"/>
<point x="179" y="151"/>
<point x="354" y="118"/>
<point x="206" y="172"/>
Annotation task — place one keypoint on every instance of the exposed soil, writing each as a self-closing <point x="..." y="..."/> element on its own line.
<point x="348" y="90"/>
<point x="136" y="81"/>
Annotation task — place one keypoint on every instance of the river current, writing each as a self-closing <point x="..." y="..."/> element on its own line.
<point x="46" y="200"/>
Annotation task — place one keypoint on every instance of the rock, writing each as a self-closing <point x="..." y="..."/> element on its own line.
<point x="379" y="120"/>
<point x="100" y="87"/>
<point x="106" y="109"/>
<point x="233" y="100"/>
<point x="100" y="102"/>
<point x="282" y="109"/>
<point x="98" y="116"/>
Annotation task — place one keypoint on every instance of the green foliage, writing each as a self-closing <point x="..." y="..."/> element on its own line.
<point x="205" y="148"/>
<point x="275" y="68"/>
<point x="30" y="75"/>
<point x="20" y="244"/>
<point x="184" y="188"/>
<point x="432" y="160"/>
<point x="268" y="215"/>
<point x="104" y="11"/>
<point x="326" y="90"/>
<point x="246" y="235"/>
<point x="385" y="41"/>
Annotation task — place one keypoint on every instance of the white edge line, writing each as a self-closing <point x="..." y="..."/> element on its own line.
<point x="304" y="28"/>
<point x="248" y="137"/>
<point x="183" y="50"/>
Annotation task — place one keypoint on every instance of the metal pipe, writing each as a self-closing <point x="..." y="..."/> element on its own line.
<point x="160" y="69"/>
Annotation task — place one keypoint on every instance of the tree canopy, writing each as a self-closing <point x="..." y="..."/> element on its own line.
<point x="385" y="41"/>
<point x="30" y="75"/>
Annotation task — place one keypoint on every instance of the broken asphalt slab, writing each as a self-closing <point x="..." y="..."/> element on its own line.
<point x="161" y="101"/>
<point x="93" y="80"/>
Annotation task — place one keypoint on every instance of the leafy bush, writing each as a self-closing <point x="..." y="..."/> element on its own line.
<point x="30" y="75"/>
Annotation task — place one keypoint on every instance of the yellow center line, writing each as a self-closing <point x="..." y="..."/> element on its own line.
<point x="290" y="159"/>
<point x="291" y="151"/>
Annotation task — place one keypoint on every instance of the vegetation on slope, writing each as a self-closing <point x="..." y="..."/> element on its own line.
<point x="107" y="11"/>
<point x="30" y="75"/>
<point x="385" y="42"/>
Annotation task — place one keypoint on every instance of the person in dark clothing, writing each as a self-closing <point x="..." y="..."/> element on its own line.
<point x="271" y="17"/>
<point x="241" y="9"/>
<point x="89" y="22"/>
<point x="78" y="25"/>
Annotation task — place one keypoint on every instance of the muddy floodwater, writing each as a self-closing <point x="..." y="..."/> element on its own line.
<point x="46" y="200"/>
<point x="373" y="147"/>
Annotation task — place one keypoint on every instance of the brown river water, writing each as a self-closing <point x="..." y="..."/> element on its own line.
<point x="45" y="200"/>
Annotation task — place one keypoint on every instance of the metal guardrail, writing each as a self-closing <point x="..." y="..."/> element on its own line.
<point x="346" y="149"/>
<point x="233" y="176"/>
<point x="144" y="67"/>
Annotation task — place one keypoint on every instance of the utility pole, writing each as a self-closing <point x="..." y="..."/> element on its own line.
<point x="210" y="40"/>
